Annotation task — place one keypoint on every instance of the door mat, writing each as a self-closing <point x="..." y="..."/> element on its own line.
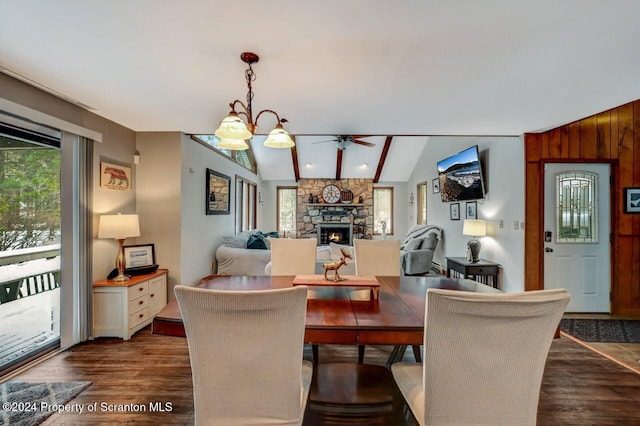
<point x="31" y="403"/>
<point x="602" y="330"/>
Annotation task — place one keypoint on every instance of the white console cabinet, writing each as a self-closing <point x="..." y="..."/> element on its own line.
<point x="122" y="308"/>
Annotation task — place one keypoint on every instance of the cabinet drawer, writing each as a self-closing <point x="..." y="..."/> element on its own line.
<point x="138" y="303"/>
<point x="138" y="290"/>
<point x="482" y="270"/>
<point x="137" y="317"/>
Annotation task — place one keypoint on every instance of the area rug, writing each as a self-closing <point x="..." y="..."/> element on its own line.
<point x="28" y="404"/>
<point x="602" y="330"/>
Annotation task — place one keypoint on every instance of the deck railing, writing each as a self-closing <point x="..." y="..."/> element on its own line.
<point x="26" y="272"/>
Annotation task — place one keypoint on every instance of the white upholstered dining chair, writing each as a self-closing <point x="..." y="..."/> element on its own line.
<point x="377" y="257"/>
<point x="484" y="356"/>
<point x="293" y="256"/>
<point x="246" y="355"/>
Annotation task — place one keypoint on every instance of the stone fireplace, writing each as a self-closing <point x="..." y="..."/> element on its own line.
<point x="352" y="218"/>
<point x="339" y="233"/>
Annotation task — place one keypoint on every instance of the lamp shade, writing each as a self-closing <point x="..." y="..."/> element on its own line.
<point x="474" y="227"/>
<point x="233" y="144"/>
<point x="232" y="127"/>
<point x="279" y="138"/>
<point x="119" y="226"/>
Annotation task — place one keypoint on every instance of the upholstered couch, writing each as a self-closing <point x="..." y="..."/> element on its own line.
<point x="416" y="253"/>
<point x="418" y="247"/>
<point x="235" y="257"/>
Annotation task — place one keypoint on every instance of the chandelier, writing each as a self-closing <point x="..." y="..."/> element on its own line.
<point x="233" y="131"/>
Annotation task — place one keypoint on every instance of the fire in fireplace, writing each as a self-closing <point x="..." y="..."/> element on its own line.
<point x="339" y="233"/>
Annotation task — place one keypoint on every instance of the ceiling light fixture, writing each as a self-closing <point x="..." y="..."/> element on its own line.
<point x="233" y="129"/>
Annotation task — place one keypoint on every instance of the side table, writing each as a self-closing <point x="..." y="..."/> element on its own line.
<point x="482" y="271"/>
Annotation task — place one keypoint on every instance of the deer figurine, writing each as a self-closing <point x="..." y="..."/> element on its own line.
<point x="334" y="266"/>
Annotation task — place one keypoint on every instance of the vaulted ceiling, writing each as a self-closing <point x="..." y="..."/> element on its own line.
<point x="407" y="69"/>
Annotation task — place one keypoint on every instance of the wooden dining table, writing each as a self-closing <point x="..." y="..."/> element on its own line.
<point x="341" y="314"/>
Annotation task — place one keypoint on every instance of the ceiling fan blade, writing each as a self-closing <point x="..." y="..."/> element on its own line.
<point x="364" y="143"/>
<point x="328" y="140"/>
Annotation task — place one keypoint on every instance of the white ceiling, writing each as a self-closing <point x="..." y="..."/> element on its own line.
<point x="411" y="67"/>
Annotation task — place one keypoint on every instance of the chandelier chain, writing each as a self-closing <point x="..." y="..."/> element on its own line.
<point x="250" y="76"/>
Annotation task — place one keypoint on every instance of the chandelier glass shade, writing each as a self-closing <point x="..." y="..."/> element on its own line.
<point x="233" y="144"/>
<point x="279" y="138"/>
<point x="234" y="128"/>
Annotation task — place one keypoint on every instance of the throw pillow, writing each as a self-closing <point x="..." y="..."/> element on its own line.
<point x="336" y="254"/>
<point x="238" y="241"/>
<point x="413" y="244"/>
<point x="323" y="253"/>
<point x="257" y="242"/>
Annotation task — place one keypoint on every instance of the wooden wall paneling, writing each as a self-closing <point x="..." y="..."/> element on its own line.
<point x="635" y="272"/>
<point x="614" y="132"/>
<point x="622" y="291"/>
<point x="532" y="146"/>
<point x="555" y="143"/>
<point x="564" y="142"/>
<point x="574" y="140"/>
<point x="588" y="138"/>
<point x="603" y="125"/>
<point x="625" y="172"/>
<point x="545" y="145"/>
<point x="533" y="250"/>
<point x="612" y="136"/>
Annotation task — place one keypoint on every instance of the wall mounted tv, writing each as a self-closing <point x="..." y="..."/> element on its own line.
<point x="460" y="176"/>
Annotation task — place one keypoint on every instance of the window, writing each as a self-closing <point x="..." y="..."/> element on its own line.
<point x="421" y="216"/>
<point x="287" y="209"/>
<point x="244" y="158"/>
<point x="383" y="210"/>
<point x="576" y="207"/>
<point x="246" y="195"/>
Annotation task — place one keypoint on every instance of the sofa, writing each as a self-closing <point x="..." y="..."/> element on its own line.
<point x="248" y="253"/>
<point x="418" y="247"/>
<point x="240" y="256"/>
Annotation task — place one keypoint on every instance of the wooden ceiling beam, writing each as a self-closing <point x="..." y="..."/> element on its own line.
<point x="294" y="160"/>
<point x="339" y="164"/>
<point x="383" y="158"/>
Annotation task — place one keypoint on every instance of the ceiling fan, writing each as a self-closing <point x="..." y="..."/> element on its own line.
<point x="343" y="141"/>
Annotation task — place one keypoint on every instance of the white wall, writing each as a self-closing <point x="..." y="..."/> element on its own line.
<point x="159" y="199"/>
<point x="502" y="160"/>
<point x="171" y="203"/>
<point x="202" y="234"/>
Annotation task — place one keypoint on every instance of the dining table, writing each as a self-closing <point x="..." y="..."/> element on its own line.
<point x="341" y="314"/>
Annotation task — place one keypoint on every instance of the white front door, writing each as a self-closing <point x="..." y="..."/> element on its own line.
<point x="577" y="229"/>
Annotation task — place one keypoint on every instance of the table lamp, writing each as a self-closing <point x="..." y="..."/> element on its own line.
<point x="474" y="228"/>
<point x="119" y="227"/>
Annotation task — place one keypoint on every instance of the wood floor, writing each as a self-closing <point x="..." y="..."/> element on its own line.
<point x="579" y="387"/>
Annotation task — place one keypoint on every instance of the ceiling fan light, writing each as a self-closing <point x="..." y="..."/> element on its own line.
<point x="232" y="127"/>
<point x="233" y="144"/>
<point x="279" y="138"/>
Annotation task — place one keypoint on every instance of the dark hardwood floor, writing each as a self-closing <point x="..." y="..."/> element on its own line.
<point x="579" y="387"/>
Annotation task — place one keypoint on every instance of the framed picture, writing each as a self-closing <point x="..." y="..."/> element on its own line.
<point x="454" y="211"/>
<point x="139" y="256"/>
<point x="435" y="185"/>
<point x="472" y="210"/>
<point x="632" y="200"/>
<point x="217" y="194"/>
<point x="115" y="177"/>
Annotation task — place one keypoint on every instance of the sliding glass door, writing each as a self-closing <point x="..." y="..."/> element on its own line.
<point x="30" y="243"/>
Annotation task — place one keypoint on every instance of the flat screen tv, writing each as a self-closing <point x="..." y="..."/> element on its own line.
<point x="460" y="176"/>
